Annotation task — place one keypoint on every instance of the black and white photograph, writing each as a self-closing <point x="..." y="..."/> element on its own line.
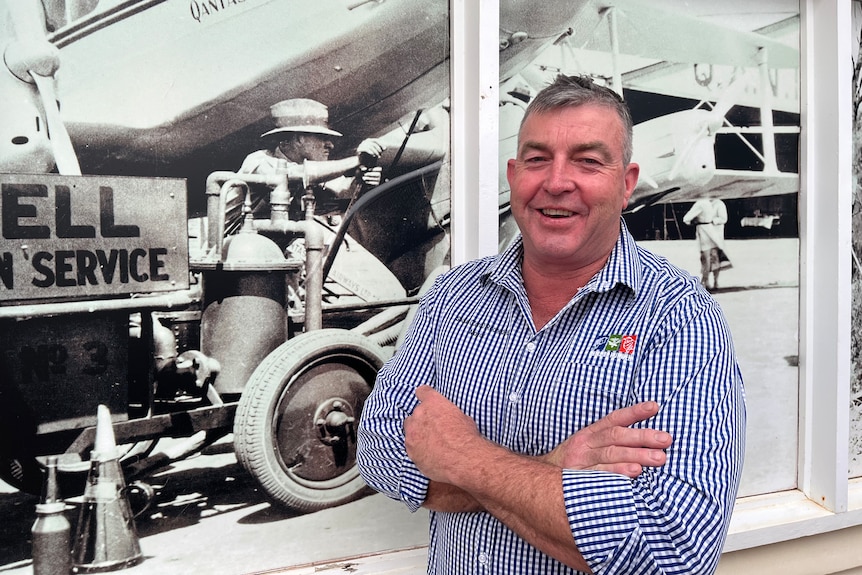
<point x="715" y="99"/>
<point x="219" y="216"/>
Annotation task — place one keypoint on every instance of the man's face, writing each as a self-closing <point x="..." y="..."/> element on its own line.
<point x="315" y="147"/>
<point x="569" y="186"/>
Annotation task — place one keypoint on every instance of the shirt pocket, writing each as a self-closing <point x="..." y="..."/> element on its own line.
<point x="588" y="391"/>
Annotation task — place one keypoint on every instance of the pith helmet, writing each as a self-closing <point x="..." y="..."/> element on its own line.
<point x="300" y="115"/>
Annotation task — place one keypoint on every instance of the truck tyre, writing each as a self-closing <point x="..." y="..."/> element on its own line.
<point x="295" y="425"/>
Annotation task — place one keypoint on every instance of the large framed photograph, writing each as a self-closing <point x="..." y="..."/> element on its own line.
<point x="715" y="98"/>
<point x="229" y="301"/>
<point x="217" y="217"/>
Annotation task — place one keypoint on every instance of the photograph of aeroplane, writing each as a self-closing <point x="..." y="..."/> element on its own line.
<point x="686" y="96"/>
<point x="714" y="94"/>
<point x="161" y="90"/>
<point x="156" y="89"/>
<point x="92" y="96"/>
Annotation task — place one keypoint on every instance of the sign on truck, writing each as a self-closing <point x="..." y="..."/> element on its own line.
<point x="74" y="237"/>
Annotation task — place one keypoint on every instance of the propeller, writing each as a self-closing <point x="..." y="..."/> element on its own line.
<point x="31" y="58"/>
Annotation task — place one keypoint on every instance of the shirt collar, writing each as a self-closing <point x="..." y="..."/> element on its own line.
<point x="622" y="268"/>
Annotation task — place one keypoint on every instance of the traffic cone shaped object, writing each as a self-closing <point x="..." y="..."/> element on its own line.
<point x="105" y="537"/>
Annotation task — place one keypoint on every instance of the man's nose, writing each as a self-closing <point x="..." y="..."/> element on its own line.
<point x="560" y="177"/>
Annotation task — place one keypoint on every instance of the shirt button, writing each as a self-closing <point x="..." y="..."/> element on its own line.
<point x="514" y="397"/>
<point x="531" y="347"/>
<point x="483" y="558"/>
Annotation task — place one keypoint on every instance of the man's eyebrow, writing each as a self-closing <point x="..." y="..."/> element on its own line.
<point x="531" y="146"/>
<point x="598" y="146"/>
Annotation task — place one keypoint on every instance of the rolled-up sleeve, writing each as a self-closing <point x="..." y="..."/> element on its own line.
<point x="381" y="456"/>
<point x="671" y="519"/>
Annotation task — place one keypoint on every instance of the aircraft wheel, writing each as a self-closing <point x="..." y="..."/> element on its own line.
<point x="295" y="425"/>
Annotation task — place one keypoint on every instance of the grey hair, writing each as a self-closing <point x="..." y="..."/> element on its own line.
<point x="574" y="91"/>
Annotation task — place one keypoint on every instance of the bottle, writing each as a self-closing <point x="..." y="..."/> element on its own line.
<point x="51" y="538"/>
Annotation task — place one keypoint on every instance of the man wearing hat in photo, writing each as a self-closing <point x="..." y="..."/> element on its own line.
<point x="302" y="133"/>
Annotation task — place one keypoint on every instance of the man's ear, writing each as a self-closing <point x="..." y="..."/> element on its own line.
<point x="630" y="178"/>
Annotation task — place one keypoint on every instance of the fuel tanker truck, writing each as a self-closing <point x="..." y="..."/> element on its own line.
<point x="269" y="326"/>
<point x="268" y="332"/>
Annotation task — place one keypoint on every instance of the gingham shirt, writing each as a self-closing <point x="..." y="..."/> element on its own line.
<point x="641" y="329"/>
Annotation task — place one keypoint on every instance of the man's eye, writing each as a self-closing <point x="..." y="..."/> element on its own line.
<point x="590" y="162"/>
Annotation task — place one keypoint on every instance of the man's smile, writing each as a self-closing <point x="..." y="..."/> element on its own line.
<point x="556" y="213"/>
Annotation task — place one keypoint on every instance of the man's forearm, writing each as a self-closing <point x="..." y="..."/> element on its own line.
<point x="524" y="492"/>
<point x="527" y="496"/>
<point x="450" y="499"/>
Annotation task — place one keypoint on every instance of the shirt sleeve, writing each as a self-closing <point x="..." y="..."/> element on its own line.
<point x="691" y="214"/>
<point x="671" y="519"/>
<point x="381" y="456"/>
<point x="720" y="213"/>
<point x="259" y="162"/>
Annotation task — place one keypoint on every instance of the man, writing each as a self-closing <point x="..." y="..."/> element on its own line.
<point x="574" y="403"/>
<point x="709" y="216"/>
<point x="302" y="134"/>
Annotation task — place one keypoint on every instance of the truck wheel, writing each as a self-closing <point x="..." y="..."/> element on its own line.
<point x="295" y="425"/>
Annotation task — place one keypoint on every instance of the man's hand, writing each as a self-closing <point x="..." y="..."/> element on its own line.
<point x="610" y="444"/>
<point x="438" y="431"/>
<point x="372" y="177"/>
<point x="368" y="151"/>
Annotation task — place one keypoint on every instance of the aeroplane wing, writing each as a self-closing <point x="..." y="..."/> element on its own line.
<point x="724" y="184"/>
<point x="200" y="95"/>
<point x="644" y="30"/>
<point x="197" y="99"/>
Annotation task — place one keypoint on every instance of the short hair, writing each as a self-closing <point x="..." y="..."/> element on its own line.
<point x="573" y="91"/>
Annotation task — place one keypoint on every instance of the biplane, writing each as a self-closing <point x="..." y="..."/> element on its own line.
<point x="134" y="102"/>
<point x="627" y="45"/>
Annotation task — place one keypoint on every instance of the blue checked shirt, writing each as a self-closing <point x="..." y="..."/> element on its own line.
<point x="640" y="330"/>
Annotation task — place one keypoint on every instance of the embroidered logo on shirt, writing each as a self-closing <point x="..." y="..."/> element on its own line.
<point x="621" y="343"/>
<point x="615" y="346"/>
